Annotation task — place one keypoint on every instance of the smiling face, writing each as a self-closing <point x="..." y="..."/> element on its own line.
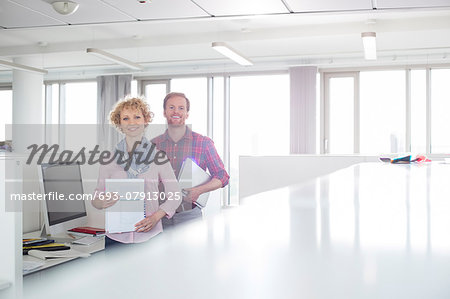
<point x="132" y="122"/>
<point x="176" y="111"/>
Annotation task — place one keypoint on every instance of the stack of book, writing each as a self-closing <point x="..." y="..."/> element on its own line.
<point x="86" y="231"/>
<point x="41" y="244"/>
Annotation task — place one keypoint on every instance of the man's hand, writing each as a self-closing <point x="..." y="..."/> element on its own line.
<point x="148" y="223"/>
<point x="192" y="194"/>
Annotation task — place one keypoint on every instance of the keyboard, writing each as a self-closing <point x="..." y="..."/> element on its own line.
<point x="88" y="240"/>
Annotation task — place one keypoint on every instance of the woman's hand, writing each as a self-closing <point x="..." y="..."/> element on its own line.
<point x="105" y="200"/>
<point x="148" y="223"/>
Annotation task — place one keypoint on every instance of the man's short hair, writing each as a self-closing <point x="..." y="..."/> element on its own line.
<point x="176" y="94"/>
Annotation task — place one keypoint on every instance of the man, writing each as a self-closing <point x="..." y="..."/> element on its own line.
<point x="180" y="142"/>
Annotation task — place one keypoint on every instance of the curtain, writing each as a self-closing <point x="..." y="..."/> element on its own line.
<point x="303" y="109"/>
<point x="110" y="89"/>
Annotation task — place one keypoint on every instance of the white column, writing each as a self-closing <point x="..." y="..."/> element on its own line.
<point x="28" y="129"/>
<point x="303" y="109"/>
<point x="28" y="105"/>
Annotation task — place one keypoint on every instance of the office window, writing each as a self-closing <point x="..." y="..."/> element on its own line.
<point x="6" y="111"/>
<point x="52" y="113"/>
<point x="318" y="109"/>
<point x="134" y="88"/>
<point x="218" y="115"/>
<point x="196" y="91"/>
<point x="80" y="118"/>
<point x="218" y="123"/>
<point x="51" y="103"/>
<point x="81" y="103"/>
<point x="154" y="94"/>
<point x="259" y="120"/>
<point x="382" y="112"/>
<point x="418" y="111"/>
<point x="440" y="107"/>
<point x="55" y="104"/>
<point x="341" y="114"/>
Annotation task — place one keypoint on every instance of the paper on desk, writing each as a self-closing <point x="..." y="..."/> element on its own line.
<point x="87" y="240"/>
<point x="29" y="266"/>
<point x="44" y="255"/>
<point x="129" y="210"/>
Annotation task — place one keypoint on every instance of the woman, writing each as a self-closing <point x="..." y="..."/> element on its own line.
<point x="131" y="116"/>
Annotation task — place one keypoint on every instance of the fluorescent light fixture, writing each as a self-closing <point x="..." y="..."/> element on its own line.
<point x="115" y="59"/>
<point x="229" y="52"/>
<point x="22" y="67"/>
<point x="370" y="45"/>
<point x="65" y="7"/>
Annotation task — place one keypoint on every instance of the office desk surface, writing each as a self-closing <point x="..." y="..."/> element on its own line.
<point x="93" y="248"/>
<point x="369" y="231"/>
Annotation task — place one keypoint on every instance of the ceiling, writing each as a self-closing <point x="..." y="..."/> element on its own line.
<point x="174" y="36"/>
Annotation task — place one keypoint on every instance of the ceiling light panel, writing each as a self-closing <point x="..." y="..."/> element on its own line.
<point x="115" y="59"/>
<point x="159" y="9"/>
<point x="239" y="7"/>
<point x="231" y="53"/>
<point x="328" y="5"/>
<point x="21" y="67"/>
<point x="10" y="11"/>
<point x="89" y="12"/>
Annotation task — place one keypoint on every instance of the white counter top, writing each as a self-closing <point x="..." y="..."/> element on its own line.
<point x="368" y="231"/>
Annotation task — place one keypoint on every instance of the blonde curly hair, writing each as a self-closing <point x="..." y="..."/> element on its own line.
<point x="133" y="103"/>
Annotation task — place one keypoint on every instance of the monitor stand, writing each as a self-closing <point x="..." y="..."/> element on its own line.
<point x="59" y="238"/>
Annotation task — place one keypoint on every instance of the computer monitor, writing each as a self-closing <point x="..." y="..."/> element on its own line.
<point x="64" y="206"/>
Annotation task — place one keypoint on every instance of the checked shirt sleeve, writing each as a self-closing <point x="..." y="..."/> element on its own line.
<point x="214" y="163"/>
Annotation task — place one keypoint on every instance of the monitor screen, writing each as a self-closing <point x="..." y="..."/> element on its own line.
<point x="63" y="190"/>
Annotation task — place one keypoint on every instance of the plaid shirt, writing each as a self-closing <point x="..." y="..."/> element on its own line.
<point x="195" y="146"/>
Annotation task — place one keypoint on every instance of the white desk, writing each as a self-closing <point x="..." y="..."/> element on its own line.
<point x="368" y="231"/>
<point x="93" y="248"/>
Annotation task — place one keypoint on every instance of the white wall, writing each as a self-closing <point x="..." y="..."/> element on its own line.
<point x="10" y="229"/>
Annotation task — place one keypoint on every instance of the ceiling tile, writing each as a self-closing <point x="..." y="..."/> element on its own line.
<point x="239" y="7"/>
<point x="411" y="3"/>
<point x="328" y="5"/>
<point x="89" y="11"/>
<point x="158" y="9"/>
<point x="13" y="15"/>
